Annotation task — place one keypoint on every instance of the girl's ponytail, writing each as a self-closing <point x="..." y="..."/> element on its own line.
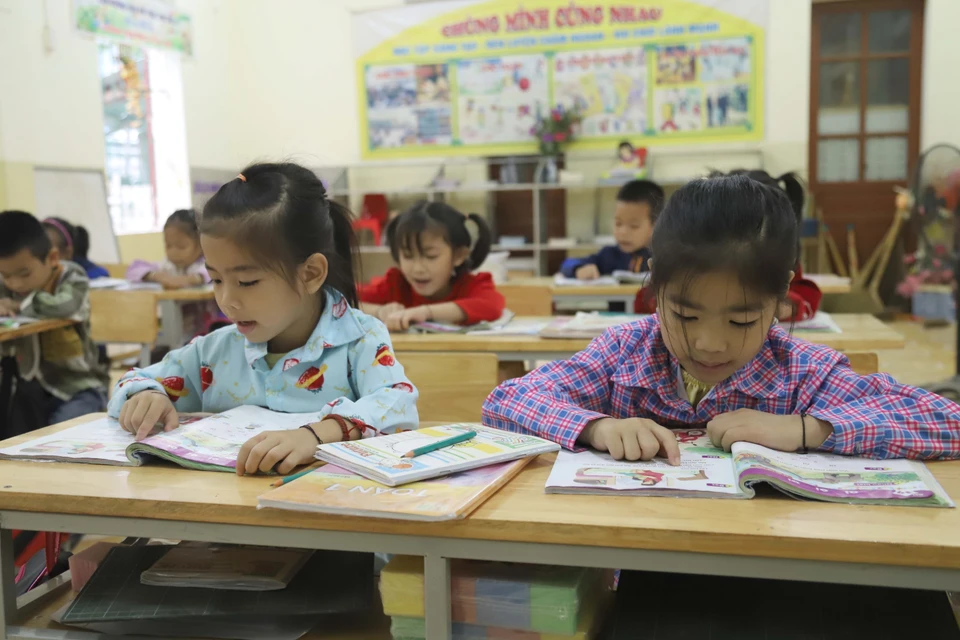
<point x="794" y="190"/>
<point x="341" y="276"/>
<point x="481" y="248"/>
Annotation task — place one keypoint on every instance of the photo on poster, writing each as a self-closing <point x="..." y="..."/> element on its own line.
<point x="727" y="105"/>
<point x="391" y="105"/>
<point x="724" y="60"/>
<point x="433" y="105"/>
<point x="676" y="64"/>
<point x="500" y="99"/>
<point x="609" y="87"/>
<point x="678" y="109"/>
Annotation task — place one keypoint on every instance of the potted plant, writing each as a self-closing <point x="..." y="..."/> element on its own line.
<point x="553" y="132"/>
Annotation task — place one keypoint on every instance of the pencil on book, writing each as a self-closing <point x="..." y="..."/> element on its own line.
<point x="284" y="480"/>
<point x="441" y="444"/>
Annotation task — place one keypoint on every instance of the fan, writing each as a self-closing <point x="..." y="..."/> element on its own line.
<point x="935" y="210"/>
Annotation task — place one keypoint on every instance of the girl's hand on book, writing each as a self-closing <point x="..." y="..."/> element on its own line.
<point x="284" y="451"/>
<point x="587" y="272"/>
<point x="9" y="307"/>
<point x="387" y="310"/>
<point x="142" y="412"/>
<point x="784" y="433"/>
<point x="633" y="439"/>
<point x="401" y="320"/>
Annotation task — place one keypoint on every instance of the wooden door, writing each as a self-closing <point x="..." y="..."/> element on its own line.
<point x="865" y="71"/>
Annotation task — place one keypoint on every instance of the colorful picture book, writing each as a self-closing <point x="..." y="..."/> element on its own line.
<point x="586" y="325"/>
<point x="523" y="598"/>
<point x="226" y="566"/>
<point x="331" y="489"/>
<point x="210" y="443"/>
<point x="708" y="472"/>
<point x="381" y="459"/>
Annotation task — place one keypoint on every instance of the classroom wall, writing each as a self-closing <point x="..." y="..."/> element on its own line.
<point x="278" y="83"/>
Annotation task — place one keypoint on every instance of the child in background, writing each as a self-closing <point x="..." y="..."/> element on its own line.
<point x="431" y="244"/>
<point x="183" y="268"/>
<point x="184" y="264"/>
<point x="81" y="246"/>
<point x="280" y="254"/>
<point x="639" y="202"/>
<point x="725" y="250"/>
<point x="803" y="297"/>
<point x="36" y="283"/>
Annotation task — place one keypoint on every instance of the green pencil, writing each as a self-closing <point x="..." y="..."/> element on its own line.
<point x="441" y="444"/>
<point x="284" y="480"/>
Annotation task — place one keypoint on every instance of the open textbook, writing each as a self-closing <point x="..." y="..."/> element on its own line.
<point x="208" y="443"/>
<point x="708" y="472"/>
<point x="382" y="459"/>
<point x="430" y="326"/>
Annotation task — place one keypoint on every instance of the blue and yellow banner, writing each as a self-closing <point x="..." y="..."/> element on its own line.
<point x="473" y="80"/>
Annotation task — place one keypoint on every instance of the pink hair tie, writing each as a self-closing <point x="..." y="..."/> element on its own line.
<point x="242" y="177"/>
<point x="63" y="231"/>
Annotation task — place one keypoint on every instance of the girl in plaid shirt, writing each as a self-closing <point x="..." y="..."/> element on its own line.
<point x="725" y="249"/>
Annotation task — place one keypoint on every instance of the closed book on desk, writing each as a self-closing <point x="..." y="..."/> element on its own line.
<point x="209" y="443"/>
<point x="382" y="458"/>
<point x="330" y="582"/>
<point x="680" y="607"/>
<point x="708" y="472"/>
<point x="331" y="489"/>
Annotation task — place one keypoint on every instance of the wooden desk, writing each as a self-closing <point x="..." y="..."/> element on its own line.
<point x="861" y="332"/>
<point x="771" y="536"/>
<point x="624" y="293"/>
<point x="33" y="328"/>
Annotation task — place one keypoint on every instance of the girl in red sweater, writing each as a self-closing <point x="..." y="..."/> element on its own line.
<point x="432" y="247"/>
<point x="803" y="297"/>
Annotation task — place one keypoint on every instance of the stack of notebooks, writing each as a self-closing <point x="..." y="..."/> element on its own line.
<point x="500" y="600"/>
<point x="220" y="592"/>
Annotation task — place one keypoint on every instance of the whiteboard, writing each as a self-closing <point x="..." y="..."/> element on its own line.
<point x="79" y="196"/>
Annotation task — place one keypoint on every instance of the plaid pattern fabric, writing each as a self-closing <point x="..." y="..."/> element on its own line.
<point x="628" y="372"/>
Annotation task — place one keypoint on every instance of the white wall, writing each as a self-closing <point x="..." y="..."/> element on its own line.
<point x="50" y="107"/>
<point x="941" y="92"/>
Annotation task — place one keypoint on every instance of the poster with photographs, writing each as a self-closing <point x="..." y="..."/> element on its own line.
<point x="609" y="87"/>
<point x="501" y="99"/>
<point x="475" y="77"/>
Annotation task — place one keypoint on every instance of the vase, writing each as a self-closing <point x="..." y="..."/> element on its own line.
<point x="549" y="172"/>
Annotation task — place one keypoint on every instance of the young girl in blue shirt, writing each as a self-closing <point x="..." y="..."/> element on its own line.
<point x="279" y="254"/>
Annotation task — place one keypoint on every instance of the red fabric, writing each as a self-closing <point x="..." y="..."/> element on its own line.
<point x="804" y="295"/>
<point x="475" y="293"/>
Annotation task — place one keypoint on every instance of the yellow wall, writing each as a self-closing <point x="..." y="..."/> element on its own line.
<point x="16" y="186"/>
<point x="141" y="246"/>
